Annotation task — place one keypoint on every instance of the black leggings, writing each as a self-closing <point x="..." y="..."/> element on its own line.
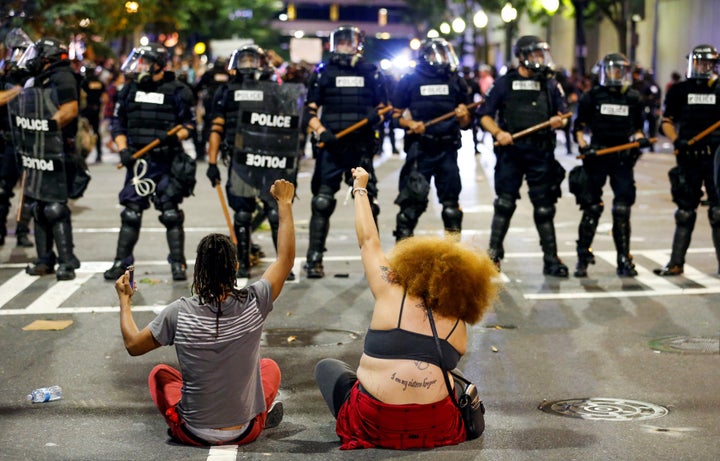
<point x="335" y="379"/>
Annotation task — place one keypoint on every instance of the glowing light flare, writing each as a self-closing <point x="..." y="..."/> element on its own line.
<point x="508" y="13"/>
<point x="458" y="25"/>
<point x="480" y="20"/>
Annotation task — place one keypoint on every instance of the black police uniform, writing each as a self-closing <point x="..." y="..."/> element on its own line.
<point x="613" y="115"/>
<point x="207" y="86"/>
<point x="693" y="105"/>
<point x="94" y="90"/>
<point x="53" y="226"/>
<point x="346" y="91"/>
<point x="429" y="93"/>
<point x="520" y="103"/>
<point x="10" y="171"/>
<point x="165" y="175"/>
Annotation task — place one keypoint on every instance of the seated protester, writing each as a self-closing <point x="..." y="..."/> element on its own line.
<point x="223" y="391"/>
<point x="397" y="398"/>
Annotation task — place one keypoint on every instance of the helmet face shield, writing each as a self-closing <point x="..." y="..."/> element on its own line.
<point x="615" y="71"/>
<point x="141" y="60"/>
<point x="245" y="60"/>
<point x="536" y="57"/>
<point x="440" y="55"/>
<point x="702" y="62"/>
<point x="346" y="40"/>
<point x="30" y="56"/>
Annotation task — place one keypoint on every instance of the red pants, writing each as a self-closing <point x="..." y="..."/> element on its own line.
<point x="165" y="383"/>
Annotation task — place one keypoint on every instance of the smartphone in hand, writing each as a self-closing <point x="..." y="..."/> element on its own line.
<point x="131" y="270"/>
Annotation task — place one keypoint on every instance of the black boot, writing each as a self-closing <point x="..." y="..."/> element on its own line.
<point x="314" y="266"/>
<point x="242" y="232"/>
<point x="684" y="225"/>
<point x="127" y="238"/>
<point x="173" y="219"/>
<point x="552" y="264"/>
<point x="67" y="261"/>
<point x="621" y="237"/>
<point x="504" y="207"/>
<point x="21" y="236"/>
<point x="45" y="263"/>
<point x="586" y="234"/>
<point x="319" y="228"/>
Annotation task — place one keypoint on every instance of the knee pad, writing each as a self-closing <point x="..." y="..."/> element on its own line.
<point x="131" y="217"/>
<point x="323" y="205"/>
<point x="621" y="211"/>
<point x="714" y="216"/>
<point x="242" y="218"/>
<point x="504" y="205"/>
<point x="544" y="213"/>
<point x="685" y="217"/>
<point x="56" y="212"/>
<point x="452" y="216"/>
<point x="172" y="218"/>
<point x="272" y="216"/>
<point x="594" y="210"/>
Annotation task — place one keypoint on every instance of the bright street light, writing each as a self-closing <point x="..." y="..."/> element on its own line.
<point x="445" y="28"/>
<point x="458" y="25"/>
<point x="551" y="6"/>
<point x="432" y="33"/>
<point x="508" y="13"/>
<point x="480" y="20"/>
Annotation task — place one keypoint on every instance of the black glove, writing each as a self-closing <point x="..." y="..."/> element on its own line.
<point x="373" y="117"/>
<point x="588" y="151"/>
<point x="126" y="157"/>
<point x="213" y="174"/>
<point x="643" y="143"/>
<point x="53" y="125"/>
<point x="167" y="138"/>
<point x="681" y="145"/>
<point x="328" y="138"/>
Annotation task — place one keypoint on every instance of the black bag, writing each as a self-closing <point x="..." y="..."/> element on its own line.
<point x="471" y="407"/>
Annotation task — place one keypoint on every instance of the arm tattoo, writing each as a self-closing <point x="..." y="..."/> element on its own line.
<point x="386" y="274"/>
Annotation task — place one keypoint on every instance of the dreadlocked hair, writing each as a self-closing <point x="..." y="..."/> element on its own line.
<point x="214" y="276"/>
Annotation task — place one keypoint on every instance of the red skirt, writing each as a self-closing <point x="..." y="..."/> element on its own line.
<point x="364" y="422"/>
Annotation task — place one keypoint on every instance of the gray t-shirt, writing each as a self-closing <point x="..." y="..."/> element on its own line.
<point x="222" y="386"/>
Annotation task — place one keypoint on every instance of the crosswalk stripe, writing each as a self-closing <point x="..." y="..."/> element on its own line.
<point x="58" y="293"/>
<point x="15" y="286"/>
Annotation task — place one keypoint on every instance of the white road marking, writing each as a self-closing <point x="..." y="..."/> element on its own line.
<point x="223" y="453"/>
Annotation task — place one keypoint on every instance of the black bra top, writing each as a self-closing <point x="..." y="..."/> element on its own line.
<point x="397" y="343"/>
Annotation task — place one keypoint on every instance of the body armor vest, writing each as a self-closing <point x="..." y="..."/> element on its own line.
<point x="612" y="120"/>
<point x="240" y="95"/>
<point x="528" y="104"/>
<point x="435" y="95"/>
<point x="701" y="108"/>
<point x="348" y="95"/>
<point x="151" y="112"/>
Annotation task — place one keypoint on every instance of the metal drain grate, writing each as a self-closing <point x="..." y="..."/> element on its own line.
<point x="604" y="409"/>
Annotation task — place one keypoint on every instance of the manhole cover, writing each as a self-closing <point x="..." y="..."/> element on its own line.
<point x="299" y="337"/>
<point x="604" y="409"/>
<point x="686" y="345"/>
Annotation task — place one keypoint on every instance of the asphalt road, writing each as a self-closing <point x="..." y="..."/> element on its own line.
<point x="634" y="361"/>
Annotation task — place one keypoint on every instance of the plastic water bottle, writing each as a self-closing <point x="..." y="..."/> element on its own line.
<point x="45" y="394"/>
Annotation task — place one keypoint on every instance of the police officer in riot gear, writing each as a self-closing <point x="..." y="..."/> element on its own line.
<point x="51" y="174"/>
<point x="691" y="106"/>
<point x="613" y="112"/>
<point x="247" y="66"/>
<point x="432" y="90"/>
<point x="205" y="88"/>
<point x="523" y="98"/>
<point x="348" y="89"/>
<point x="150" y="104"/>
<point x="11" y="80"/>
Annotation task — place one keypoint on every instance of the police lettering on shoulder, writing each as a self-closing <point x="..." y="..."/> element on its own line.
<point x="256" y="130"/>
<point x="153" y="105"/>
<point x="12" y="79"/>
<point x="44" y="120"/>
<point x="348" y="89"/>
<point x="691" y="108"/>
<point x="613" y="113"/>
<point x="432" y="90"/>
<point x="523" y="99"/>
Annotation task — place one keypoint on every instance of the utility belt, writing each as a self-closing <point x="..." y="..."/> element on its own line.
<point x="437" y="142"/>
<point x="537" y="141"/>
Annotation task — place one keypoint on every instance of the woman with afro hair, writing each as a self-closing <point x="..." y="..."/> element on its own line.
<point x="397" y="397"/>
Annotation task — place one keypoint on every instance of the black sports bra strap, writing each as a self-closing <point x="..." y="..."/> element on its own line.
<point x="402" y="304"/>
<point x="453" y="329"/>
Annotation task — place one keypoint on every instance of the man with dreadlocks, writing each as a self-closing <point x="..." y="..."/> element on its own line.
<point x="224" y="393"/>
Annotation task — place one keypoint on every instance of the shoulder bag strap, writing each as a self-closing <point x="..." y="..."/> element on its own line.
<point x="451" y="392"/>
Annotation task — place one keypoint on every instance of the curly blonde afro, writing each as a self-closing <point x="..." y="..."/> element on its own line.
<point x="454" y="280"/>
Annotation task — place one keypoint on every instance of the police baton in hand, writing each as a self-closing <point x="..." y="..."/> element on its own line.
<point x="450" y="114"/>
<point x="621" y="147"/>
<point x="701" y="135"/>
<point x="357" y="125"/>
<point x="226" y="212"/>
<point x="152" y="144"/>
<point x="534" y="128"/>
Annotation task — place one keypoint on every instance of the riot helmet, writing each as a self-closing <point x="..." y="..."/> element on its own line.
<point x="16" y="42"/>
<point x="146" y="61"/>
<point x="702" y="62"/>
<point x="614" y="70"/>
<point x="249" y="60"/>
<point x="346" y="44"/>
<point x="41" y="53"/>
<point x="534" y="55"/>
<point x="439" y="55"/>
